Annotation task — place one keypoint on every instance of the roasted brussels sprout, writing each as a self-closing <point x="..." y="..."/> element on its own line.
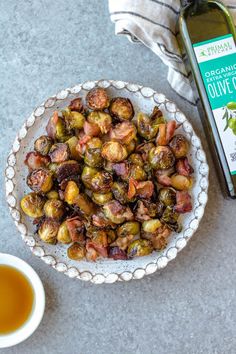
<point x="101" y="182"/>
<point x="129" y="228"/>
<point x="32" y="205"/>
<point x="114" y="151"/>
<point x="161" y="157"/>
<point x="97" y="99"/>
<point x="53" y="167"/>
<point x="63" y="235"/>
<point x="102" y="119"/>
<point x="67" y="169"/>
<point x="76" y="105"/>
<point x="179" y="145"/>
<point x="121" y="108"/>
<point x="93" y="157"/>
<point x="131" y="146"/>
<point x="85" y="205"/>
<point x="136" y="159"/>
<point x="71" y="192"/>
<point x="170" y="218"/>
<point x="40" y="180"/>
<point x="59" y="152"/>
<point x="146" y="210"/>
<point x="139" y="248"/>
<point x="35" y="160"/>
<point x="48" y="230"/>
<point x="167" y="196"/>
<point x="73" y="119"/>
<point x="111" y="236"/>
<point x="123" y="132"/>
<point x="54" y="209"/>
<point x="56" y="127"/>
<point x="144" y="149"/>
<point x="137" y="173"/>
<point x="76" y="252"/>
<point x="146" y="128"/>
<point x="87" y="175"/>
<point x="74" y="152"/>
<point x="116" y="212"/>
<point x="101" y="199"/>
<point x="181" y="182"/>
<point x="120" y="192"/>
<point x="151" y="225"/>
<point x="43" y="144"/>
<point x="53" y="194"/>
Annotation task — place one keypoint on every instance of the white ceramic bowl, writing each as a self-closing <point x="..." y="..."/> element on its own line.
<point x="35" y="318"/>
<point x="105" y="270"/>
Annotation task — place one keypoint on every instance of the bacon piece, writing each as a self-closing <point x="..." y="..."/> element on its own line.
<point x="145" y="189"/>
<point x="35" y="160"/>
<point x="164" y="180"/>
<point x="144" y="149"/>
<point x="116" y="253"/>
<point x="166" y="132"/>
<point x="121" y="169"/>
<point x="124" y="132"/>
<point x="51" y="126"/>
<point x="91" y="129"/>
<point x="76" y="105"/>
<point x="183" y="202"/>
<point x="132" y="188"/>
<point x="76" y="228"/>
<point x="183" y="167"/>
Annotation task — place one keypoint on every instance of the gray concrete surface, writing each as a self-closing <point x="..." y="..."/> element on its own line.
<point x="189" y="307"/>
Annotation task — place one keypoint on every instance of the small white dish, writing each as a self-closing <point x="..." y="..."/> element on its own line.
<point x="28" y="328"/>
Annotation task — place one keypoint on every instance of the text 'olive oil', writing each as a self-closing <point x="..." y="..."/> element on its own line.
<point x="209" y="39"/>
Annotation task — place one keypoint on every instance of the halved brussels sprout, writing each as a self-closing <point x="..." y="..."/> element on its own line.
<point x="114" y="151"/>
<point x="32" y="205"/>
<point x="74" y="152"/>
<point x="53" y="194"/>
<point x="84" y="203"/>
<point x="97" y="99"/>
<point x="181" y="182"/>
<point x="101" y="182"/>
<point x="146" y="128"/>
<point x="93" y="157"/>
<point x="40" y="180"/>
<point x="151" y="225"/>
<point x="167" y="196"/>
<point x="71" y="192"/>
<point x="43" y="144"/>
<point x="73" y="119"/>
<point x="87" y="175"/>
<point x="111" y="236"/>
<point x="67" y="169"/>
<point x="101" y="199"/>
<point x="59" y="152"/>
<point x="54" y="208"/>
<point x="102" y="119"/>
<point x="161" y="157"/>
<point x="63" y="235"/>
<point x="179" y="145"/>
<point x="170" y="218"/>
<point x="139" y="248"/>
<point x="131" y="146"/>
<point x="120" y="192"/>
<point x="137" y="173"/>
<point x="48" y="231"/>
<point x="121" y="108"/>
<point x="76" y="252"/>
<point x="136" y="159"/>
<point x="129" y="228"/>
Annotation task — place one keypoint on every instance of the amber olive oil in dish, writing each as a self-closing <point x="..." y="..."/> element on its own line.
<point x="209" y="40"/>
<point x="16" y="299"/>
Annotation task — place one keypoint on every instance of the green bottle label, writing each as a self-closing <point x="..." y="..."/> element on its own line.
<point x="217" y="63"/>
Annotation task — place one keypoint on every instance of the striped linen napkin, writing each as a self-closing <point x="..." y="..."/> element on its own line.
<point x="154" y="23"/>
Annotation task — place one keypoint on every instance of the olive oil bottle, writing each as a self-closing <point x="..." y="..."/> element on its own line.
<point x="209" y="44"/>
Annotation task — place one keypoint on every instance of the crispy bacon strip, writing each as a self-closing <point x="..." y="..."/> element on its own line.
<point x="91" y="129"/>
<point x="166" y="132"/>
<point x="75" y="227"/>
<point x="35" y="160"/>
<point x="183" y="202"/>
<point x="183" y="167"/>
<point x="121" y="169"/>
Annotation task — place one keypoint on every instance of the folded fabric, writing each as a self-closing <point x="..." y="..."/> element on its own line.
<point x="154" y="23"/>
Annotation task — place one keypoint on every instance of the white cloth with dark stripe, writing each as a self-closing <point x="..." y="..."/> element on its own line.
<point x="154" y="23"/>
